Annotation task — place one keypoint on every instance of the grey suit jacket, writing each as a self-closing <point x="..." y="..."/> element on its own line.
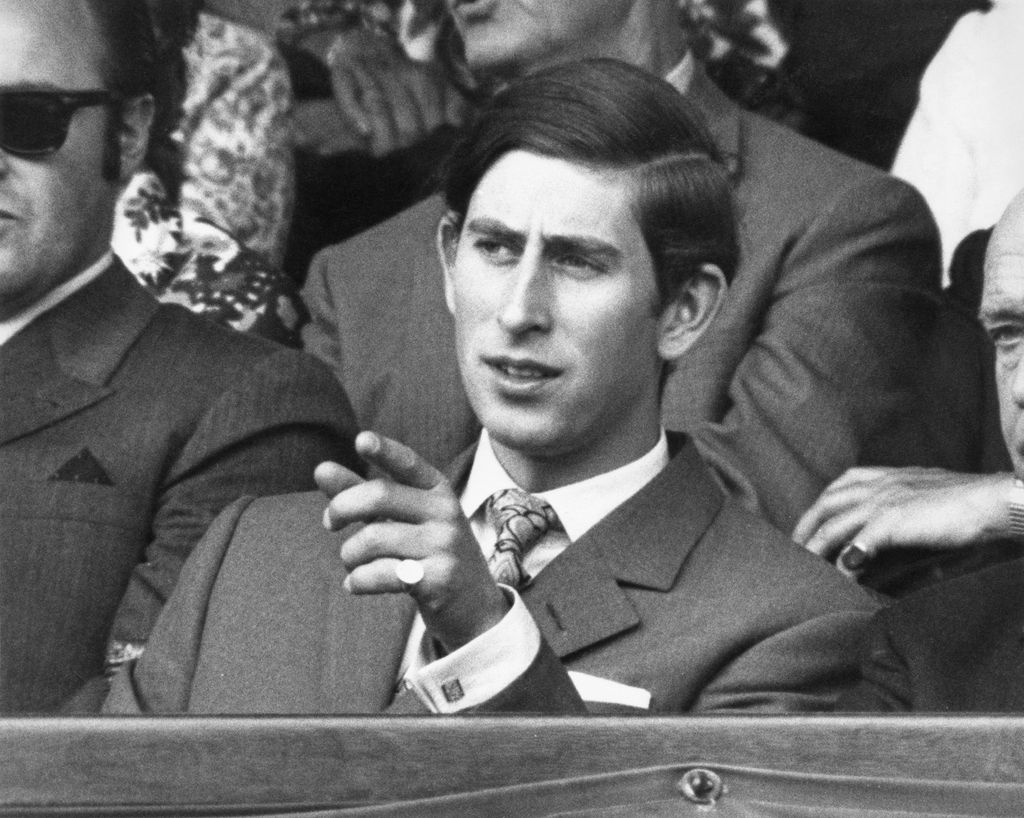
<point x="125" y="427"/>
<point x="957" y="646"/>
<point x="818" y="360"/>
<point x="677" y="591"/>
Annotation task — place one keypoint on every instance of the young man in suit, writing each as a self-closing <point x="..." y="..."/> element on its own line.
<point x="813" y="362"/>
<point x="577" y="558"/>
<point x="125" y="426"/>
<point x="957" y="646"/>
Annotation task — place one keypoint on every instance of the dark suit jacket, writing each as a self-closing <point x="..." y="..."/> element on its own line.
<point x="856" y="67"/>
<point x="954" y="646"/>
<point x="677" y="591"/>
<point x="125" y="427"/>
<point x="813" y="364"/>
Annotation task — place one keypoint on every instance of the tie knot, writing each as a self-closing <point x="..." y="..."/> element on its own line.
<point x="521" y="521"/>
<point x="530" y="516"/>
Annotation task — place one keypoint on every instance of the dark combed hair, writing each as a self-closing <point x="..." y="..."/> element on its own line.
<point x="609" y="116"/>
<point x="141" y="57"/>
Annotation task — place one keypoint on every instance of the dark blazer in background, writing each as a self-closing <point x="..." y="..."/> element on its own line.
<point x="813" y="364"/>
<point x="856" y="66"/>
<point x="955" y="646"/>
<point x="125" y="427"/>
<point x="677" y="591"/>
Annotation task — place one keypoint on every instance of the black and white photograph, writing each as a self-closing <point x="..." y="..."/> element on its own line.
<point x="512" y="408"/>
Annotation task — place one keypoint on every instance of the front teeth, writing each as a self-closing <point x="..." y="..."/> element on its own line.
<point x="521" y="371"/>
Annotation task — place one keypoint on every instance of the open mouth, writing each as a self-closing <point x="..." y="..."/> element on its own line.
<point x="522" y="370"/>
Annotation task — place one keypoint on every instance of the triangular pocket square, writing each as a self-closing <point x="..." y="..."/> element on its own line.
<point x="607" y="691"/>
<point x="82" y="468"/>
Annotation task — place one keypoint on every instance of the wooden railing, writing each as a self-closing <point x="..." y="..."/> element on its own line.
<point x="806" y="766"/>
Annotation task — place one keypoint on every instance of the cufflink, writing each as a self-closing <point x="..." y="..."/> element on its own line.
<point x="452" y="690"/>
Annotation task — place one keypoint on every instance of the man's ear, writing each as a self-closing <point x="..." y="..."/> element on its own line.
<point x="133" y="134"/>
<point x="689" y="314"/>
<point x="447" y="247"/>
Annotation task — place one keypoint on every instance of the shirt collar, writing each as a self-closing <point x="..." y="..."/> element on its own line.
<point x="681" y="76"/>
<point x="580" y="505"/>
<point x="12" y="326"/>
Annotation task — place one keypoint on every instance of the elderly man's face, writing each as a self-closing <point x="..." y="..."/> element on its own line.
<point x="1002" y="313"/>
<point x="56" y="210"/>
<point x="516" y="36"/>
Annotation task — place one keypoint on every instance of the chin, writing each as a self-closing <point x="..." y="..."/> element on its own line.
<point x="513" y="429"/>
<point x="490" y="55"/>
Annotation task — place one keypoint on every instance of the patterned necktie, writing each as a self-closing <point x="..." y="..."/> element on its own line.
<point x="521" y="521"/>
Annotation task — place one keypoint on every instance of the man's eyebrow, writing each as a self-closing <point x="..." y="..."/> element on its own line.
<point x="559" y="245"/>
<point x="494" y="228"/>
<point x="582" y="245"/>
<point x="23" y="87"/>
<point x="1001" y="312"/>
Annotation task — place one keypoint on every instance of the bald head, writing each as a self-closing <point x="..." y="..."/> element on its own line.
<point x="1002" y="314"/>
<point x="1007" y="243"/>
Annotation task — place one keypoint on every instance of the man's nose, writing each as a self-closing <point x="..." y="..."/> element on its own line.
<point x="527" y="300"/>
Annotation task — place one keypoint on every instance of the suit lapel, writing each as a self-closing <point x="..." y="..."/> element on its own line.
<point x="34" y="390"/>
<point x="579" y="599"/>
<point x="62" y="361"/>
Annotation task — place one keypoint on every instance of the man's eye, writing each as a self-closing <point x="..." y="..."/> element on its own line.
<point x="577" y="264"/>
<point x="495" y="250"/>
<point x="1006" y="338"/>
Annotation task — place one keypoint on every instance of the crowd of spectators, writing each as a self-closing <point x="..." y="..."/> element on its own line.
<point x="293" y="171"/>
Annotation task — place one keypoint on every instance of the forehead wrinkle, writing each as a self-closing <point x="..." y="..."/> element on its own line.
<point x="1003" y="292"/>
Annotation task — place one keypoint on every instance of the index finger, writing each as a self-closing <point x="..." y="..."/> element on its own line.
<point x="397" y="461"/>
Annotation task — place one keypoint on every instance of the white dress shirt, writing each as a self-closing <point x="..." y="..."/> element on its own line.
<point x="964" y="146"/>
<point x="482" y="668"/>
<point x="15" y="324"/>
<point x="681" y="76"/>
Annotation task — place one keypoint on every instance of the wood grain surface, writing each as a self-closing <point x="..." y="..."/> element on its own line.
<point x="172" y="765"/>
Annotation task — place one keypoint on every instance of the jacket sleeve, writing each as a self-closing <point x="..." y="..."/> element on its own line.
<point x="320" y="334"/>
<point x="828" y="378"/>
<point x="262" y="435"/>
<point x="885" y="682"/>
<point x="805" y="667"/>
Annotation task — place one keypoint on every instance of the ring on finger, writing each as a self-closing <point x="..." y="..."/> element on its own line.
<point x="853" y="557"/>
<point x="409" y="573"/>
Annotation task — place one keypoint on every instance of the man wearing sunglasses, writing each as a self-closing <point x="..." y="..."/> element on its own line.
<point x="124" y="425"/>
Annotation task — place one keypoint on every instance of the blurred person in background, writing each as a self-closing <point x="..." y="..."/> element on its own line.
<point x="963" y="146"/>
<point x="204" y="223"/>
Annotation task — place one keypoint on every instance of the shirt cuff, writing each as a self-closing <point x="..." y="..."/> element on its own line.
<point x="480" y="669"/>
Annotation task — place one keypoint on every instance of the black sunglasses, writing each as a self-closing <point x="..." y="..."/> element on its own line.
<point x="35" y="123"/>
